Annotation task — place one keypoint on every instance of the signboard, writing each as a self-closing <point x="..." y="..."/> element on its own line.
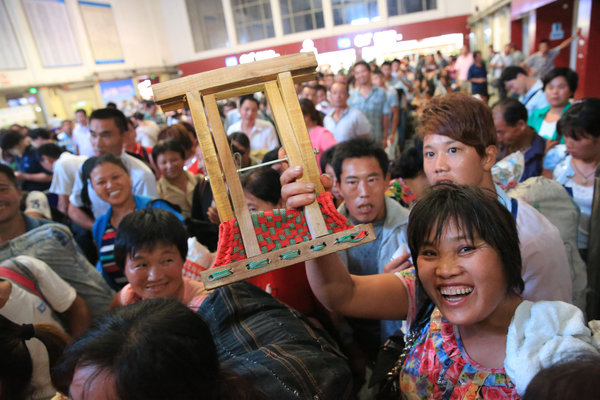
<point x="117" y="91"/>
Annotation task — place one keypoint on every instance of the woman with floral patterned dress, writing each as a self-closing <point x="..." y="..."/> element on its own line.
<point x="467" y="320"/>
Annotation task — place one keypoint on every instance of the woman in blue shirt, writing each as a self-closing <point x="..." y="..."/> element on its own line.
<point x="111" y="182"/>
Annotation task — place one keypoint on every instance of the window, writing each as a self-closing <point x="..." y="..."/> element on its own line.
<point x="253" y="20"/>
<point x="207" y="21"/>
<point x="399" y="7"/>
<point x="301" y="15"/>
<point x="354" y="11"/>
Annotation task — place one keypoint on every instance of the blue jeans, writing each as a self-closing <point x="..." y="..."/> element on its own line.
<point x="54" y="245"/>
<point x="274" y="347"/>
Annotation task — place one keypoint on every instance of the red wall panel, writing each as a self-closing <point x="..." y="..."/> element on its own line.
<point x="418" y="30"/>
<point x="558" y="11"/>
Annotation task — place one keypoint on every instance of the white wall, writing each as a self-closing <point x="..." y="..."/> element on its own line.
<point x="156" y="34"/>
<point x="137" y="31"/>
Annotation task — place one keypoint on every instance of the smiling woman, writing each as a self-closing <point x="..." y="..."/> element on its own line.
<point x="111" y="182"/>
<point x="469" y="327"/>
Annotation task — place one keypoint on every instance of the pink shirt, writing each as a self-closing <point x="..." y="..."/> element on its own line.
<point x="321" y="140"/>
<point x="462" y="65"/>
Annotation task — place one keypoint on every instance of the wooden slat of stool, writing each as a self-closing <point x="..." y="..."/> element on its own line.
<point x="231" y="176"/>
<point x="292" y="106"/>
<point x="211" y="160"/>
<point x="170" y="94"/>
<point x="314" y="217"/>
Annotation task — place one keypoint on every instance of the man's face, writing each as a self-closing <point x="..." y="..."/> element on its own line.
<point x="81" y="118"/>
<point x="320" y="96"/>
<point x="516" y="85"/>
<point x="67" y="126"/>
<point x="377" y="80"/>
<point x="338" y="95"/>
<point x="507" y="135"/>
<point x="106" y="137"/>
<point x="544" y="48"/>
<point x="446" y="160"/>
<point x="308" y="93"/>
<point x="10" y="198"/>
<point x="363" y="185"/>
<point x="507" y="49"/>
<point x="249" y="111"/>
<point x="386" y="70"/>
<point x="362" y="75"/>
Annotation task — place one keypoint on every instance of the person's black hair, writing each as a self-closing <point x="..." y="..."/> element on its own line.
<point x="475" y="212"/>
<point x="574" y="379"/>
<point x="138" y="115"/>
<point x="364" y="63"/>
<point x="547" y="41"/>
<point x="110" y="113"/>
<point x="9" y="173"/>
<point x="271" y="155"/>
<point x="476" y="52"/>
<point x="40" y="133"/>
<point x="154" y="349"/>
<point x="570" y="76"/>
<point x="179" y="133"/>
<point x="146" y="228"/>
<point x="249" y="97"/>
<point x="358" y="148"/>
<point x="387" y="62"/>
<point x="168" y="145"/>
<point x="410" y="163"/>
<point x="327" y="158"/>
<point x="50" y="150"/>
<point x="16" y="366"/>
<point x="81" y="110"/>
<point x="241" y="138"/>
<point x="511" y="73"/>
<point x="512" y="111"/>
<point x="308" y="108"/>
<point x="378" y="72"/>
<point x="263" y="183"/>
<point x="110" y="104"/>
<point x="321" y="88"/>
<point x="582" y="118"/>
<point x="10" y="139"/>
<point x="149" y="103"/>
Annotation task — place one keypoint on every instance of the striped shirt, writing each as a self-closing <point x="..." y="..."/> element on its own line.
<point x="110" y="270"/>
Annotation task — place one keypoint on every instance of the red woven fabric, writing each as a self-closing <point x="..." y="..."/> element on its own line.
<point x="276" y="229"/>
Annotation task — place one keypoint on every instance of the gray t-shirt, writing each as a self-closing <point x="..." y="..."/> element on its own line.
<point x="362" y="260"/>
<point x="540" y="64"/>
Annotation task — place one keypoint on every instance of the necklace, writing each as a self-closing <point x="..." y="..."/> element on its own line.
<point x="584" y="178"/>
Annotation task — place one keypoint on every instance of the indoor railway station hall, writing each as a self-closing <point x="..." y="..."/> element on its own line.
<point x="299" y="199"/>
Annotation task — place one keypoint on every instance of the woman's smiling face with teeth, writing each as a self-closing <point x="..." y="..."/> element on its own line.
<point x="465" y="279"/>
<point x="111" y="183"/>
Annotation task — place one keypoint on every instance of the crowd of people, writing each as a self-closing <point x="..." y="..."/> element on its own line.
<point x="475" y="276"/>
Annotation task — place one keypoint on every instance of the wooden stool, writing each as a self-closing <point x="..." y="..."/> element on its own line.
<point x="275" y="77"/>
